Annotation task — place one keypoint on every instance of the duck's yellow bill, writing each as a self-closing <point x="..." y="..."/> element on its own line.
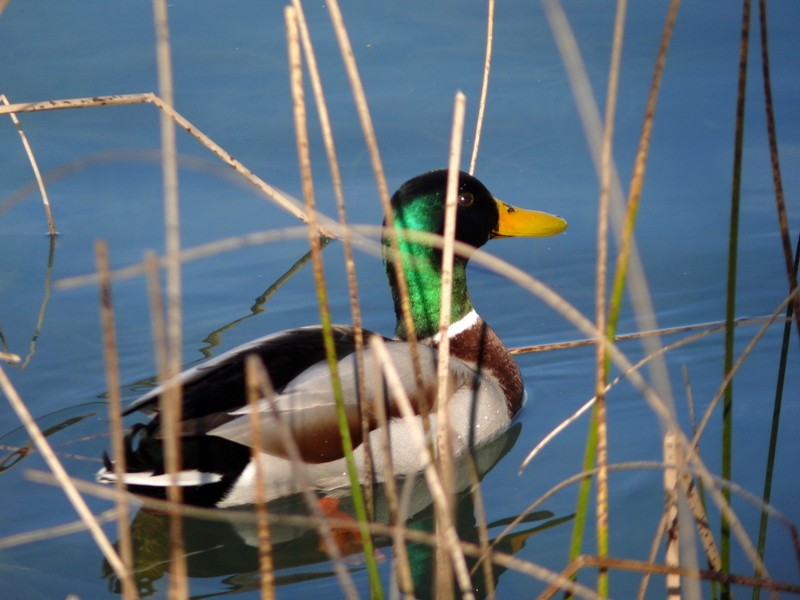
<point x="519" y="222"/>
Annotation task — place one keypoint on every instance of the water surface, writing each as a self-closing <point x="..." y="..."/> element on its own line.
<point x="231" y="82"/>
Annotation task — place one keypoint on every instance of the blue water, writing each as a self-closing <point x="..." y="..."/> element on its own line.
<point x="231" y="82"/>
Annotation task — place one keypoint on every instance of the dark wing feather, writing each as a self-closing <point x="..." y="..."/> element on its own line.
<point x="217" y="385"/>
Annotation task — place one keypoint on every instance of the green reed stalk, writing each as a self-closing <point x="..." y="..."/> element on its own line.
<point x="730" y="311"/>
<point x="776" y="418"/>
<point x="596" y="440"/>
<point x="352" y="281"/>
<point x="296" y="80"/>
<point x="599" y="423"/>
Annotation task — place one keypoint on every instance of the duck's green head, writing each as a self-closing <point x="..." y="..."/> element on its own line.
<point x="419" y="205"/>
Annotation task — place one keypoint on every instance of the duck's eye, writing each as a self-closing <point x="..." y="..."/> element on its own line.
<point x="465" y="199"/>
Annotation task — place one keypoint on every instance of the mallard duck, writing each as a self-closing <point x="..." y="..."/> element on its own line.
<point x="485" y="382"/>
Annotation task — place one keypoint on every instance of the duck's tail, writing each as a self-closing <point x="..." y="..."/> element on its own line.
<point x="209" y="466"/>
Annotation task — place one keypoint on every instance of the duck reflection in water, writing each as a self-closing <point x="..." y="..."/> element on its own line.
<point x="227" y="550"/>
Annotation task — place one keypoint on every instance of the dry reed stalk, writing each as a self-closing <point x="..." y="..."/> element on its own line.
<point x="304" y="159"/>
<point x="129" y="589"/>
<point x="687" y="385"/>
<point x="601" y="268"/>
<point x="48" y="533"/>
<point x="698" y="510"/>
<point x="487" y="67"/>
<point x="193" y="254"/>
<point x="671" y="453"/>
<point x="600" y="422"/>
<point x="503" y="560"/>
<point x="281" y="199"/>
<point x="693" y="491"/>
<point x="625" y="564"/>
<point x="391" y="233"/>
<point x="403" y="567"/>
<point x="640" y="163"/>
<point x="86" y="102"/>
<point x="780" y="202"/>
<point x="266" y="571"/>
<point x="169" y="423"/>
<point x="61" y="475"/>
<point x="689" y="495"/>
<point x="151" y="271"/>
<point x="444" y="578"/>
<point x="531" y="285"/>
<point x="318" y="518"/>
<point x="675" y="554"/>
<point x="709" y="329"/>
<point x="590" y="118"/>
<point x="651" y="557"/>
<point x="515" y="275"/>
<point x="10" y="357"/>
<point x="689" y="490"/>
<point x="712" y="327"/>
<point x="738" y="364"/>
<point x="319" y="522"/>
<point x="711" y="481"/>
<point x="644" y="312"/>
<point x="579" y="562"/>
<point x="48" y="278"/>
<point x="690" y="447"/>
<point x="483" y="529"/>
<point x="438" y="493"/>
<point x="172" y="397"/>
<point x="687" y="545"/>
<point x="48" y="211"/>
<point x="15" y="359"/>
<point x="352" y="282"/>
<point x="727" y="511"/>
